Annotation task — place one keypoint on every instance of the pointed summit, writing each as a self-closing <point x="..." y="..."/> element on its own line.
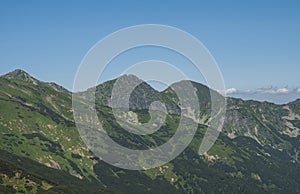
<point x="20" y="75"/>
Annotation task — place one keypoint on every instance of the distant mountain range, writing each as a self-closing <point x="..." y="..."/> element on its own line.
<point x="42" y="152"/>
<point x="270" y="94"/>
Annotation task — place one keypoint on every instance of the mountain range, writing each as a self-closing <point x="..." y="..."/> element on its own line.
<point x="276" y="95"/>
<point x="42" y="151"/>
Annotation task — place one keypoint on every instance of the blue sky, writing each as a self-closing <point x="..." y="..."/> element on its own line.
<point x="255" y="43"/>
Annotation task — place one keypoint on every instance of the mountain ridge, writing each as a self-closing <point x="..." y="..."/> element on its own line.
<point x="14" y="75"/>
<point x="257" y="150"/>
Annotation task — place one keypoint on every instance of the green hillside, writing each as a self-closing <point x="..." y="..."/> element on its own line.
<point x="41" y="150"/>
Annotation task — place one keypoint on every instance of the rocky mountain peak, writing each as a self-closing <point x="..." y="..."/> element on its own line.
<point x="20" y="75"/>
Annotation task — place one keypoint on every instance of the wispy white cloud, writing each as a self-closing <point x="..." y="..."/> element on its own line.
<point x="228" y="91"/>
<point x="282" y="91"/>
<point x="272" y="90"/>
<point x="298" y="90"/>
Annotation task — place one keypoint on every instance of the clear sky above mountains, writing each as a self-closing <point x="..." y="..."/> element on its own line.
<point x="256" y="43"/>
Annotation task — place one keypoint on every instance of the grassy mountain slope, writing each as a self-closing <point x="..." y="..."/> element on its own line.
<point x="257" y="151"/>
